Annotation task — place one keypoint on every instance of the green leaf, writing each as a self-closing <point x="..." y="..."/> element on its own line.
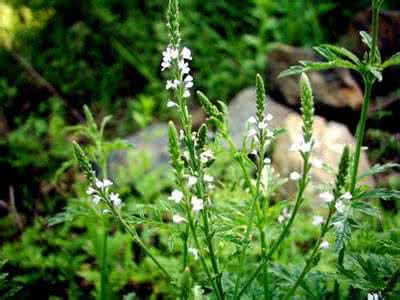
<point x="365" y="208"/>
<point x="366" y="39"/>
<point x="379" y="193"/>
<point x="393" y="61"/>
<point x="377" y="169"/>
<point x="342" y="52"/>
<point x="377" y="73"/>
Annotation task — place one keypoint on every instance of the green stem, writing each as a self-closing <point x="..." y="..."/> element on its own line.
<point x="104" y="271"/>
<point x="196" y="167"/>
<point x="360" y="135"/>
<point x="310" y="261"/>
<point x="285" y="231"/>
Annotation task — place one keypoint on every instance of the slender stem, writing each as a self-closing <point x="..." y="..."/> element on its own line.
<point x="285" y="231"/>
<point x="201" y="190"/>
<point x="104" y="271"/>
<point x="360" y="135"/>
<point x="309" y="263"/>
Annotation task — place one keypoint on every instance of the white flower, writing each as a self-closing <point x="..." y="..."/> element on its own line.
<point x="284" y="215"/>
<point x="188" y="80"/>
<point x="269" y="117"/>
<point x="172" y="84"/>
<point x="165" y="65"/>
<point x="192" y="180"/>
<point x="177" y="219"/>
<point x="373" y="296"/>
<point x="346" y="196"/>
<point x="281" y="219"/>
<point x="181" y="134"/>
<point x="295" y="176"/>
<point x="316" y="163"/>
<point x="324" y="245"/>
<point x="326" y="197"/>
<point x="176" y="196"/>
<point x="340" y="206"/>
<point x="208" y="178"/>
<point x="184" y="67"/>
<point x="252" y="120"/>
<point x="96" y="199"/>
<point x="301" y="146"/>
<point x="186" y="94"/>
<point x="102" y="184"/>
<point x="186" y="53"/>
<point x="186" y="155"/>
<point x="171" y="104"/>
<point x="317" y="220"/>
<point x="90" y="191"/>
<point x="115" y="199"/>
<point x="197" y="204"/>
<point x="270" y="134"/>
<point x="206" y="156"/>
<point x="194" y="252"/>
<point x="263" y="125"/>
<point x="267" y="160"/>
<point x="252" y="133"/>
<point x="106" y="211"/>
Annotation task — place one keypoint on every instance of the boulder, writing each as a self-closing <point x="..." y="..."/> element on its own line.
<point x="331" y="137"/>
<point x="335" y="88"/>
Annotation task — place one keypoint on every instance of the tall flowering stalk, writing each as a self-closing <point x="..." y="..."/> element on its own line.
<point x="335" y="203"/>
<point x="304" y="147"/>
<point x="106" y="202"/>
<point x="191" y="173"/>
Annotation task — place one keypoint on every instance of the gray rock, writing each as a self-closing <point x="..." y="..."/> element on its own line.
<point x="243" y="106"/>
<point x="152" y="140"/>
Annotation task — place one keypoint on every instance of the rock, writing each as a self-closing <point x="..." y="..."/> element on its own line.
<point x="151" y="141"/>
<point x="243" y="106"/>
<point x="335" y="88"/>
<point x="331" y="138"/>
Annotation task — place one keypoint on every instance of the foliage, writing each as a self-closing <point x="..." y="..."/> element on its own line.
<point x="105" y="54"/>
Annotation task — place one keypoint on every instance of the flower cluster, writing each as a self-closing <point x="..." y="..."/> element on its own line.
<point x="177" y="60"/>
<point x="100" y="190"/>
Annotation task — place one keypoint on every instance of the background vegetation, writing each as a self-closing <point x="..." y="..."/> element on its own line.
<point x="57" y="55"/>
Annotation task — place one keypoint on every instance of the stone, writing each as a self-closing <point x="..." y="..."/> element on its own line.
<point x="334" y="88"/>
<point x="331" y="137"/>
<point x="243" y="106"/>
<point x="152" y="144"/>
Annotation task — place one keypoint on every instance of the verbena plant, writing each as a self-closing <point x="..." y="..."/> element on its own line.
<point x="230" y="250"/>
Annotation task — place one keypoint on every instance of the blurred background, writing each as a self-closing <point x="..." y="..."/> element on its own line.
<point x="57" y="55"/>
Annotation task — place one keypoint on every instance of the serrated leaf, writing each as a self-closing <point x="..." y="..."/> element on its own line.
<point x="379" y="193"/>
<point x="377" y="169"/>
<point x="393" y="61"/>
<point x="342" y="52"/>
<point x="365" y="208"/>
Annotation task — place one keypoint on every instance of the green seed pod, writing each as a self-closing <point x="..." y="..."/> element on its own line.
<point x="307" y="107"/>
<point x="343" y="171"/>
<point x="84" y="163"/>
<point x="173" y="147"/>
<point x="202" y="138"/>
<point x="209" y="108"/>
<point x="173" y="23"/>
<point x="260" y="95"/>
